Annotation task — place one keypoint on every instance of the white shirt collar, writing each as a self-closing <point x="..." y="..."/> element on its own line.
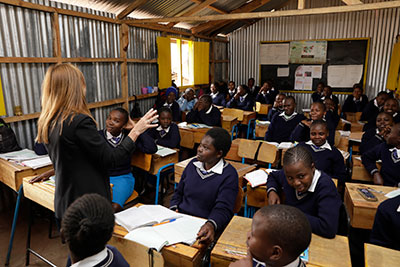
<point x="376" y="103"/>
<point x="294" y="263"/>
<point x="377" y="131"/>
<point x="217" y="168"/>
<point x="361" y="98"/>
<point x="167" y="105"/>
<point x="214" y="95"/>
<point x="92" y="260"/>
<point x="159" y="128"/>
<point x="242" y="98"/>
<point x="317" y="175"/>
<point x="110" y="136"/>
<point x="393" y="149"/>
<point x="288" y="117"/>
<point x="232" y="91"/>
<point x="209" y="110"/>
<point x="326" y="145"/>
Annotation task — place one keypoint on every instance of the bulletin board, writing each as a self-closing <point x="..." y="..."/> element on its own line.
<point x="342" y="62"/>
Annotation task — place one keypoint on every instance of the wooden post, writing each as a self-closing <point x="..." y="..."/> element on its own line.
<point x="56" y="37"/>
<point x="301" y="4"/>
<point x="124" y="43"/>
<point x="212" y="62"/>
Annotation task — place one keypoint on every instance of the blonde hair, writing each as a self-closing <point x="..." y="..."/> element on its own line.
<point x="63" y="95"/>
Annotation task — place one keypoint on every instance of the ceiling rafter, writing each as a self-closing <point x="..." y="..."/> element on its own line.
<point x="216" y="9"/>
<point x="195" y="9"/>
<point x="129" y="9"/>
<point x="352" y="2"/>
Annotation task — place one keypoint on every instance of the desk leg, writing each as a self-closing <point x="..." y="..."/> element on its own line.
<point x="28" y="240"/>
<point x="159" y="177"/>
<point x="14" y="224"/>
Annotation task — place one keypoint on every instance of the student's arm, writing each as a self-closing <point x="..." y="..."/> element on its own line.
<point x="274" y="185"/>
<point x="232" y="103"/>
<point x="249" y="105"/>
<point x="146" y="143"/>
<point x="178" y="194"/>
<point x="298" y="133"/>
<point x="269" y="135"/>
<point x="369" y="159"/>
<point x="211" y="119"/>
<point x="339" y="169"/>
<point x="382" y="234"/>
<point x="192" y="116"/>
<point x="183" y="103"/>
<point x="40" y="149"/>
<point x="175" y="138"/>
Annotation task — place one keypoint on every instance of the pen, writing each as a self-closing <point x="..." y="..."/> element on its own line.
<point x="164" y="222"/>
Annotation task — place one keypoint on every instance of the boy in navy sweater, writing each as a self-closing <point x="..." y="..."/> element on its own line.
<point x="389" y="153"/>
<point x="167" y="133"/>
<point x="267" y="93"/>
<point x="204" y="112"/>
<point x="372" y="110"/>
<point x="242" y="100"/>
<point x="218" y="98"/>
<point x="308" y="189"/>
<point x="282" y="124"/>
<point x="231" y="91"/>
<point x="376" y="136"/>
<point x="356" y="102"/>
<point x="316" y="96"/>
<point x="271" y="243"/>
<point x="327" y="94"/>
<point x="391" y="106"/>
<point x="386" y="229"/>
<point x="278" y="106"/>
<point x="209" y="185"/>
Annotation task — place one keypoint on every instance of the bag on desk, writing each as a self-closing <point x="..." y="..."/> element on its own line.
<point x="8" y="140"/>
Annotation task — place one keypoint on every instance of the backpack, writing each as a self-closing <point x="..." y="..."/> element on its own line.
<point x="8" y="140"/>
<point x="135" y="112"/>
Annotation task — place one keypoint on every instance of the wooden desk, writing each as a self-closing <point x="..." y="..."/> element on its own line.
<point x="190" y="137"/>
<point x="247" y="116"/>
<point x="322" y="251"/>
<point x="228" y="122"/>
<point x="152" y="162"/>
<point x="257" y="196"/>
<point x="380" y="256"/>
<point x="359" y="172"/>
<point x="362" y="212"/>
<point x="11" y="174"/>
<point x="41" y="193"/>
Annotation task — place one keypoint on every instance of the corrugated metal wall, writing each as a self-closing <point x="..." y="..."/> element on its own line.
<point x="381" y="26"/>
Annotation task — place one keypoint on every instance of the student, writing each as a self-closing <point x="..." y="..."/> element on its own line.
<point x="376" y="136"/>
<point x="372" y="110"/>
<point x="209" y="185"/>
<point x="121" y="175"/>
<point x="167" y="132"/>
<point x="316" y="96"/>
<point x="253" y="89"/>
<point x="308" y="189"/>
<point x="242" y="100"/>
<point x="278" y="236"/>
<point x="284" y="123"/>
<point x="277" y="107"/>
<point x="204" y="112"/>
<point x="386" y="229"/>
<point x="87" y="226"/>
<point x="80" y="156"/>
<point x="356" y="102"/>
<point x="389" y="153"/>
<point x="327" y="158"/>
<point x="267" y="93"/>
<point x="332" y="112"/>
<point x="187" y="101"/>
<point x="172" y="104"/>
<point x="231" y="91"/>
<point x="218" y="98"/>
<point x="391" y="106"/>
<point x="327" y="93"/>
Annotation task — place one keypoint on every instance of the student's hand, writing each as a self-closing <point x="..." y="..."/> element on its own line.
<point x="385" y="131"/>
<point x="42" y="177"/>
<point x="273" y="198"/>
<point x="245" y="262"/>
<point x="206" y="233"/>
<point x="196" y="106"/>
<point x="306" y="123"/>
<point x="143" y="124"/>
<point x="236" y="96"/>
<point x="378" y="178"/>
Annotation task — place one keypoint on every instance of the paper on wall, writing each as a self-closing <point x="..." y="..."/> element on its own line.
<point x="299" y="83"/>
<point x="274" y="54"/>
<point x="317" y="71"/>
<point x="344" y="76"/>
<point x="307" y="84"/>
<point x="283" y="72"/>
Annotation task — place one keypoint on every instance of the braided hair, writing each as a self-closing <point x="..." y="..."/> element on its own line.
<point x="87" y="225"/>
<point x="298" y="153"/>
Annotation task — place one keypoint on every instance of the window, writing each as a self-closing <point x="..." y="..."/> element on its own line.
<point x="182" y="62"/>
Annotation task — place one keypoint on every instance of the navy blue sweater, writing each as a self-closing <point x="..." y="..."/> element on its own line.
<point x="301" y="133"/>
<point x="272" y="112"/>
<point x="386" y="229"/>
<point x="369" y="114"/>
<point x="176" y="111"/>
<point x="114" y="259"/>
<point x="280" y="129"/>
<point x="329" y="161"/>
<point x="268" y="98"/>
<point x="321" y="206"/>
<point x="219" y="100"/>
<point x="172" y="139"/>
<point x="211" y="119"/>
<point x="316" y="97"/>
<point x="351" y="106"/>
<point x="247" y="104"/>
<point x="370" y="139"/>
<point x="390" y="170"/>
<point x="212" y="198"/>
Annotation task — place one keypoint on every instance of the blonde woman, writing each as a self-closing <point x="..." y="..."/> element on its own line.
<point x="79" y="154"/>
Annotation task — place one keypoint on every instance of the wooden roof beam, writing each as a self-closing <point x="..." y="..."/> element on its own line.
<point x="129" y="9"/>
<point x="352" y="2"/>
<point x="216" y="9"/>
<point x="194" y="10"/>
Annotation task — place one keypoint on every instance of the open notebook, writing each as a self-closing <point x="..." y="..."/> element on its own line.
<point x="258" y="177"/>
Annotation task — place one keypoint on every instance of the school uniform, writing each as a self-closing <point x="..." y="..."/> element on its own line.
<point x="169" y="137"/>
<point x="333" y="97"/>
<point x="301" y="133"/>
<point x="185" y="105"/>
<point x="396" y="118"/>
<point x="272" y="112"/>
<point x="370" y="139"/>
<point x="316" y="97"/>
<point x="351" y="104"/>
<point x="390" y="157"/>
<point x="386" y="229"/>
<point x="296" y="263"/>
<point x="176" y="111"/>
<point x="253" y="91"/>
<point x="282" y="126"/>
<point x="328" y="159"/>
<point x="108" y="257"/>
<point x="245" y="103"/>
<point x="320" y="204"/>
<point x="267" y="97"/>
<point x="207" y="194"/>
<point x="39" y="149"/>
<point x="333" y="118"/>
<point x="210" y="117"/>
<point x="231" y="94"/>
<point x="218" y="99"/>
<point x="369" y="114"/>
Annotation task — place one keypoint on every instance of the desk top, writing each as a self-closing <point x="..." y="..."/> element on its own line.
<point x="322" y="251"/>
<point x="359" y="201"/>
<point x="41" y="193"/>
<point x="380" y="256"/>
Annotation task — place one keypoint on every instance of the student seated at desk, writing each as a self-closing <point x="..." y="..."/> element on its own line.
<point x="327" y="158"/>
<point x="172" y="104"/>
<point x="187" y="100"/>
<point x="218" y="97"/>
<point x="209" y="185"/>
<point x="391" y="106"/>
<point x="204" y="112"/>
<point x="308" y="189"/>
<point x="253" y="89"/>
<point x="282" y="124"/>
<point x="267" y="93"/>
<point x="231" y="91"/>
<point x="386" y="229"/>
<point x="86" y="227"/>
<point x="277" y="107"/>
<point x="372" y="110"/>
<point x="332" y="112"/>
<point x="389" y="153"/>
<point x="316" y="96"/>
<point x="278" y="236"/>
<point x="327" y="94"/>
<point x="376" y="136"/>
<point x="242" y="100"/>
<point x="357" y="101"/>
<point x="167" y="132"/>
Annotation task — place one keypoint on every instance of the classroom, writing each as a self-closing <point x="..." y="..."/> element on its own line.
<point x="200" y="133"/>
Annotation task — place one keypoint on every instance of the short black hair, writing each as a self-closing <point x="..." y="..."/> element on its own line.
<point x="358" y="85"/>
<point x="231" y="82"/>
<point x="298" y="153"/>
<point x="245" y="87"/>
<point x="382" y="93"/>
<point x="319" y="103"/>
<point x="290" y="97"/>
<point x="287" y="227"/>
<point x="385" y="113"/>
<point x="207" y="98"/>
<point x="164" y="109"/>
<point x="221" y="139"/>
<point x="323" y="84"/>
<point x="88" y="224"/>
<point x="124" y="113"/>
<point x="282" y="94"/>
<point x="327" y="86"/>
<point x="319" y="122"/>
<point x="251" y="79"/>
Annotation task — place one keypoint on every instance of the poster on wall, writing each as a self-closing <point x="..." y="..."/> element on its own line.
<point x="304" y="76"/>
<point x="344" y="76"/>
<point x="308" y="52"/>
<point x="274" y="54"/>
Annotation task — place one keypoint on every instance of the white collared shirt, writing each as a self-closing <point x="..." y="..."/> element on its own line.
<point x="288" y="117"/>
<point x="232" y="92"/>
<point x="217" y="168"/>
<point x="317" y="175"/>
<point x="294" y="263"/>
<point x="214" y="95"/>
<point x="376" y="103"/>
<point x="167" y="105"/>
<point x="92" y="260"/>
<point x="159" y="128"/>
<point x="209" y="110"/>
<point x="110" y="137"/>
<point x="242" y="98"/>
<point x="326" y="145"/>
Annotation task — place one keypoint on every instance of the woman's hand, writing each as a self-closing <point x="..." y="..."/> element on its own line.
<point x="273" y="198"/>
<point x="42" y="177"/>
<point x="143" y="124"/>
<point x="206" y="233"/>
<point x="245" y="262"/>
<point x="378" y="178"/>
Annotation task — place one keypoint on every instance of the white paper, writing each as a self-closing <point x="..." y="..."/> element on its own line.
<point x="317" y="71"/>
<point x="38" y="162"/>
<point x="299" y="83"/>
<point x="283" y="72"/>
<point x="21" y="155"/>
<point x="299" y="71"/>
<point x="307" y="71"/>
<point x="274" y="54"/>
<point x="285" y="145"/>
<point x="307" y="84"/>
<point x="393" y="193"/>
<point x="256" y="178"/>
<point x="164" y="151"/>
<point x="344" y="76"/>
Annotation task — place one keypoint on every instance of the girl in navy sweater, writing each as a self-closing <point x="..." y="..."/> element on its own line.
<point x="316" y="96"/>
<point x="171" y="103"/>
<point x="357" y="101"/>
<point x="218" y="98"/>
<point x="376" y="136"/>
<point x="391" y="106"/>
<point x="167" y="133"/>
<point x="242" y="99"/>
<point x="209" y="185"/>
<point x="372" y="110"/>
<point x="204" y="112"/>
<point x="308" y="189"/>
